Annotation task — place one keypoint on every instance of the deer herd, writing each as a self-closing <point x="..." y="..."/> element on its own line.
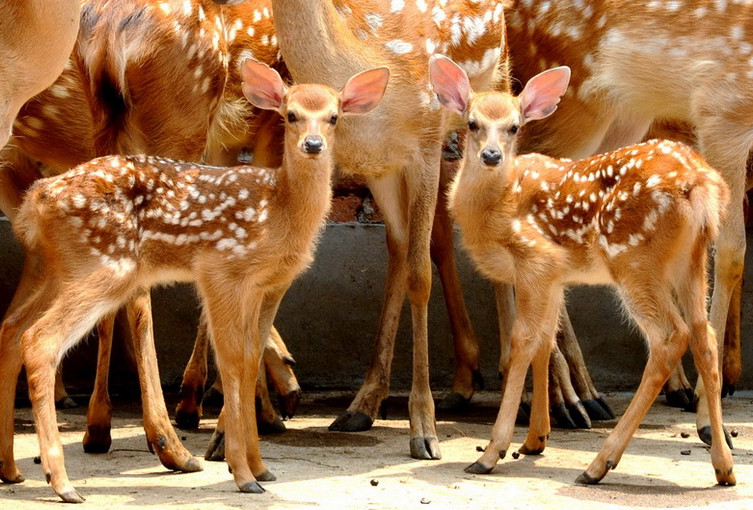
<point x="121" y="172"/>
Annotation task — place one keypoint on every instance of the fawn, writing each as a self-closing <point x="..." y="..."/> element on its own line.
<point x="640" y="218"/>
<point x="116" y="225"/>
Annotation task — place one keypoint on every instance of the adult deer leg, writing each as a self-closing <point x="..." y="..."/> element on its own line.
<point x="97" y="437"/>
<point x="467" y="371"/>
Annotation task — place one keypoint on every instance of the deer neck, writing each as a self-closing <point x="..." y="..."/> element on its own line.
<point x="315" y="42"/>
<point x="303" y="193"/>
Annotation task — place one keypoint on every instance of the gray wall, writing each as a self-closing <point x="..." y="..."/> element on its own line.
<point x="329" y="319"/>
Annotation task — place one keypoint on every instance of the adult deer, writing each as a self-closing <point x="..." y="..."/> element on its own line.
<point x="36" y="38"/>
<point x="118" y="95"/>
<point x="397" y="150"/>
<point x="117" y="225"/>
<point x="641" y="219"/>
<point x="636" y="62"/>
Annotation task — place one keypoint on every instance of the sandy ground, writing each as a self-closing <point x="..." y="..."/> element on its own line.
<point x="371" y="470"/>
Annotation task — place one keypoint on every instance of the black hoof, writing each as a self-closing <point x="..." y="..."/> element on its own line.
<point x="704" y="433"/>
<point x="65" y="403"/>
<point x="692" y="407"/>
<point x="216" y="449"/>
<point x="252" y="488"/>
<point x="679" y="398"/>
<point x="426" y="448"/>
<point x="587" y="479"/>
<point x="266" y="428"/>
<point x="562" y="417"/>
<point x="454" y="403"/>
<point x="266" y="476"/>
<point x="728" y="390"/>
<point x="18" y="479"/>
<point x="526" y="451"/>
<point x="524" y="414"/>
<point x="187" y="421"/>
<point x="351" y="423"/>
<point x="595" y="411"/>
<point x="97" y="439"/>
<point x="478" y="469"/>
<point x="605" y="406"/>
<point x="289" y="403"/>
<point x="579" y="415"/>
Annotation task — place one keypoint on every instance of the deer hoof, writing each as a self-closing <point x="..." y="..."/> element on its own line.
<point x="425" y="448"/>
<point x="351" y="423"/>
<point x="595" y="410"/>
<point x="454" y="403"/>
<point x="252" y="488"/>
<point x="478" y="468"/>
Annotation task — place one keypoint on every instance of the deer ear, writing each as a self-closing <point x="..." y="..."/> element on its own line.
<point x="450" y="83"/>
<point x="262" y="85"/>
<point x="364" y="91"/>
<point x="542" y="93"/>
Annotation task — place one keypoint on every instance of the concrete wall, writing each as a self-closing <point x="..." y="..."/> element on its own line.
<point x="329" y="320"/>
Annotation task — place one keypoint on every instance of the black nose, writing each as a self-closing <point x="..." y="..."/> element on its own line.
<point x="313" y="144"/>
<point x="491" y="157"/>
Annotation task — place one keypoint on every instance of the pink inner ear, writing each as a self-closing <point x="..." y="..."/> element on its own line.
<point x="450" y="83"/>
<point x="542" y="93"/>
<point x="262" y="85"/>
<point x="364" y="91"/>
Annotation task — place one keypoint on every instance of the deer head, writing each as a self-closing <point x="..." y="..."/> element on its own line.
<point x="493" y="119"/>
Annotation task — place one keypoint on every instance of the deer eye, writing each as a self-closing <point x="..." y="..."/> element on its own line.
<point x="472" y="125"/>
<point x="513" y="129"/>
<point x="333" y="120"/>
<point x="292" y="117"/>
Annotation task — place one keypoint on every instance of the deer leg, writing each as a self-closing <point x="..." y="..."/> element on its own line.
<point x="189" y="411"/>
<point x="28" y="302"/>
<point x="97" y="437"/>
<point x="160" y="434"/>
<point x="677" y="389"/>
<point x="71" y="315"/>
<point x="532" y="338"/>
<point x="62" y="400"/>
<point x="568" y="410"/>
<point x="363" y="410"/>
<point x="595" y="405"/>
<point x="237" y="346"/>
<point x="731" y="360"/>
<point x="728" y="154"/>
<point x="667" y="337"/>
<point x="279" y="365"/>
<point x="467" y="371"/>
<point x="691" y="297"/>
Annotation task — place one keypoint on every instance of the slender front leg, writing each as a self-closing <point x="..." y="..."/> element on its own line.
<point x="189" y="411"/>
<point x="97" y="437"/>
<point x="467" y="373"/>
<point x="160" y="434"/>
<point x="532" y="336"/>
<point x="363" y="410"/>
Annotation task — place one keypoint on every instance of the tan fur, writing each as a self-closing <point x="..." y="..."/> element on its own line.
<point x="638" y="62"/>
<point x="640" y="218"/>
<point x="106" y="231"/>
<point x="397" y="150"/>
<point x="35" y="43"/>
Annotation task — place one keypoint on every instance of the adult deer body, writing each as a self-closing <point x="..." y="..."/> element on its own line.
<point x="640" y="219"/>
<point x="397" y="151"/>
<point x="116" y="225"/>
<point x="36" y="38"/>
<point x="637" y="62"/>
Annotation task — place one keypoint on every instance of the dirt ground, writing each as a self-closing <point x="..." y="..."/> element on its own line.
<point x="372" y="470"/>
